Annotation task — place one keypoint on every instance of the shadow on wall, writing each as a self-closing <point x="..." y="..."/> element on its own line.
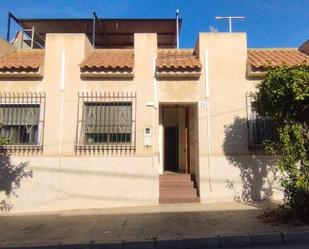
<point x="257" y="172"/>
<point x="10" y="179"/>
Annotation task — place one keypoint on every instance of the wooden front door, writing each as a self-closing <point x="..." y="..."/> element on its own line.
<point x="171" y="148"/>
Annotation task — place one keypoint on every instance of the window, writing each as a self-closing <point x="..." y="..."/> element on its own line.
<point x="259" y="129"/>
<point x="107" y="122"/>
<point x="21" y="118"/>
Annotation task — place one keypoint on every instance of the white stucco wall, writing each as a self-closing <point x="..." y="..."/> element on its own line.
<point x="86" y="182"/>
<point x="227" y="169"/>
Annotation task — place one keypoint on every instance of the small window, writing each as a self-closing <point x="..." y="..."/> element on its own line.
<point x="106" y="122"/>
<point x="21" y="119"/>
<point x="259" y="129"/>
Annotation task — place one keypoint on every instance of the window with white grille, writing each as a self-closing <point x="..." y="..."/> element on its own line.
<point x="22" y="120"/>
<point x="106" y="121"/>
<point x="259" y="129"/>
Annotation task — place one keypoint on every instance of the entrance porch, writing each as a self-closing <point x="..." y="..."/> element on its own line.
<point x="178" y="141"/>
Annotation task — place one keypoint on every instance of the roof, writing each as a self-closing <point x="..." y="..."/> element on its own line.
<point x="260" y="59"/>
<point x="109" y="60"/>
<point x="109" y="33"/>
<point x="169" y="60"/>
<point x="22" y="60"/>
<point x="177" y="60"/>
<point x="305" y="48"/>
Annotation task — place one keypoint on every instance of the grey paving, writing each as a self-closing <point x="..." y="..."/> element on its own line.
<point x="168" y="226"/>
<point x="303" y="246"/>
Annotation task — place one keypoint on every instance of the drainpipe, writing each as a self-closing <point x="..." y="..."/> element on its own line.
<point x="62" y="88"/>
<point x="208" y="115"/>
<point x="154" y="106"/>
<point x="155" y="92"/>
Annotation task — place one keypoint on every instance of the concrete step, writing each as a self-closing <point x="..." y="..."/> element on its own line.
<point x="174" y="177"/>
<point x="174" y="200"/>
<point x="177" y="188"/>
<point x="176" y="185"/>
<point x="184" y="193"/>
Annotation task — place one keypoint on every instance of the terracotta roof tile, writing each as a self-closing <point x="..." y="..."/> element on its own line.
<point x="262" y="58"/>
<point x="177" y="60"/>
<point x="24" y="59"/>
<point x="109" y="59"/>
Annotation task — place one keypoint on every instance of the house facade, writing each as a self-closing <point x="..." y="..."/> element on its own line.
<point x="121" y="117"/>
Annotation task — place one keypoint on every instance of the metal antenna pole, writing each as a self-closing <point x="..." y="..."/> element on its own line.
<point x="93" y="28"/>
<point x="230" y="18"/>
<point x="177" y="28"/>
<point x="230" y="24"/>
<point x="8" y="28"/>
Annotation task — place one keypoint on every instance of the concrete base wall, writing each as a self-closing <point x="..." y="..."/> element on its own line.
<point x="79" y="182"/>
<point x="238" y="177"/>
<point x="86" y="182"/>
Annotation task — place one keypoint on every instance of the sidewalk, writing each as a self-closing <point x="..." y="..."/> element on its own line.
<point x="138" y="226"/>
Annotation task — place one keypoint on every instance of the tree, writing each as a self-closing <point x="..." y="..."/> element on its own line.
<point x="283" y="97"/>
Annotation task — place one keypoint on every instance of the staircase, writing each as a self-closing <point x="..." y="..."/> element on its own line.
<point x="177" y="188"/>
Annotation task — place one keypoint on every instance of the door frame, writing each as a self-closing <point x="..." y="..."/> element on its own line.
<point x="186" y="135"/>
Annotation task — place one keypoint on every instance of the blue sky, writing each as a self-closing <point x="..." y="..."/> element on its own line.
<point x="268" y="23"/>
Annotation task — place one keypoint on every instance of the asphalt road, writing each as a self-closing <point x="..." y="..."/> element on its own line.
<point x="269" y="247"/>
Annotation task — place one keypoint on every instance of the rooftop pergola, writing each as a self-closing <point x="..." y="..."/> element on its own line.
<point x="103" y="33"/>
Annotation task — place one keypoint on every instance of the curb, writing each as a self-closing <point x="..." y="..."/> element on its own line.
<point x="276" y="238"/>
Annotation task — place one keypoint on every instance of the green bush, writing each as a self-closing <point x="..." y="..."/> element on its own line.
<point x="284" y="97"/>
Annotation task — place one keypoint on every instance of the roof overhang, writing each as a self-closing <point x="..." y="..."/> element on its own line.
<point x="108" y="75"/>
<point x="38" y="73"/>
<point x="108" y="32"/>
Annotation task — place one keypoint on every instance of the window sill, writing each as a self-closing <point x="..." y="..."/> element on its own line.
<point x="257" y="148"/>
<point x="89" y="148"/>
<point x="21" y="149"/>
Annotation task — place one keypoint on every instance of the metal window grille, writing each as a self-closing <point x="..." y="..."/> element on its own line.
<point x="106" y="122"/>
<point x="22" y="118"/>
<point x="259" y="129"/>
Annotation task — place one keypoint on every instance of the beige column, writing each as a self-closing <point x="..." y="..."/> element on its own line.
<point x="63" y="53"/>
<point x="145" y="51"/>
